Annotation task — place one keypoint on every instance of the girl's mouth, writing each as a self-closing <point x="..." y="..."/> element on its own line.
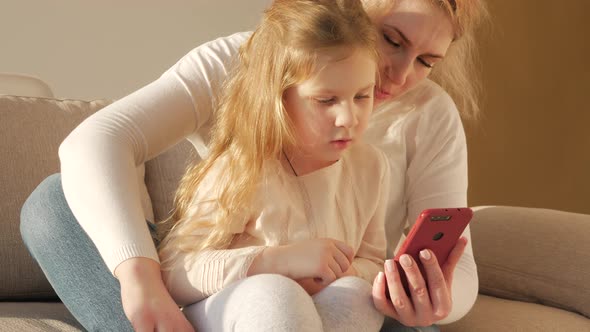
<point x="341" y="144"/>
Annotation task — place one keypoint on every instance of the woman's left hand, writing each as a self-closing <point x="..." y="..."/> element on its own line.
<point x="426" y="304"/>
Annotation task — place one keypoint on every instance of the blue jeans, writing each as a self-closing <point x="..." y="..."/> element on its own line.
<point x="74" y="267"/>
<point x="70" y="260"/>
<point x="391" y="325"/>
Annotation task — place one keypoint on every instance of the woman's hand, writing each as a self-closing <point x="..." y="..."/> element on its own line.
<point x="146" y="301"/>
<point x="426" y="305"/>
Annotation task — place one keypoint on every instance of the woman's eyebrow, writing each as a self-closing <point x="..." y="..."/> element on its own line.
<point x="409" y="42"/>
<point x="399" y="32"/>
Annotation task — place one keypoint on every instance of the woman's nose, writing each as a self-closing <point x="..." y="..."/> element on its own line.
<point x="398" y="70"/>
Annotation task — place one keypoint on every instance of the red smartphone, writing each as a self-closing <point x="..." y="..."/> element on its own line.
<point x="437" y="230"/>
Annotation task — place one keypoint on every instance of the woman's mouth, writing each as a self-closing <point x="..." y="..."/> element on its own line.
<point x="381" y="94"/>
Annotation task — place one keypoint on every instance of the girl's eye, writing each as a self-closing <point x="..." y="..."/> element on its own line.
<point x="390" y="41"/>
<point x="362" y="97"/>
<point x="325" y="101"/>
<point x="425" y="63"/>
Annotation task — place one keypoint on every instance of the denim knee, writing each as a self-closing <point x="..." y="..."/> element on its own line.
<point x="391" y="325"/>
<point x="40" y="214"/>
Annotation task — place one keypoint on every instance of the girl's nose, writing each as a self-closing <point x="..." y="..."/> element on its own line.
<point x="346" y="116"/>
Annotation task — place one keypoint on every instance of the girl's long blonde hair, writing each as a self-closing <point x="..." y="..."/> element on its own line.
<point x="458" y="72"/>
<point x="251" y="124"/>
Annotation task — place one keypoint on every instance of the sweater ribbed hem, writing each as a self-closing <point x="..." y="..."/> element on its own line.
<point x="130" y="251"/>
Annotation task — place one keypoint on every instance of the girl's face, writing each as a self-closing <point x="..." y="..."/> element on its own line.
<point x="330" y="110"/>
<point x="413" y="37"/>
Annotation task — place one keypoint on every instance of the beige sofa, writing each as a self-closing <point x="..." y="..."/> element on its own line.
<point x="534" y="264"/>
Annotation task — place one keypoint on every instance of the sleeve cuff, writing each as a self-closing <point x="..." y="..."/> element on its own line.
<point x="128" y="251"/>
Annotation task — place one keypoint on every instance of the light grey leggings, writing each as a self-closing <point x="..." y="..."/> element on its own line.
<point x="271" y="302"/>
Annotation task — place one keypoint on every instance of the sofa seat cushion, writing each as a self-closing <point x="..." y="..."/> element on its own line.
<point x="494" y="314"/>
<point x="36" y="317"/>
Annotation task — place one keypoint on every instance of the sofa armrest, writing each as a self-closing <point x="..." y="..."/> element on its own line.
<point x="533" y="255"/>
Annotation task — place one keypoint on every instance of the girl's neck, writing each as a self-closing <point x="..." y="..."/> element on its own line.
<point x="299" y="164"/>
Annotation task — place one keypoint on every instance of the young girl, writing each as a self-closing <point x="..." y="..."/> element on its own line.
<point x="288" y="188"/>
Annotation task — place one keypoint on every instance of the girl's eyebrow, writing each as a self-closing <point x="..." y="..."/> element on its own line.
<point x="370" y="85"/>
<point x="409" y="42"/>
<point x="331" y="92"/>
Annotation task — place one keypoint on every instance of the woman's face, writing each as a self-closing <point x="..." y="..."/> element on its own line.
<point x="413" y="37"/>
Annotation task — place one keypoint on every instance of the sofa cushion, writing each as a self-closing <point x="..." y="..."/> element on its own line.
<point x="31" y="131"/>
<point x="36" y="317"/>
<point x="534" y="255"/>
<point x="492" y="314"/>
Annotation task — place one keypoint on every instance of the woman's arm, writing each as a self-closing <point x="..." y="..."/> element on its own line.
<point x="369" y="258"/>
<point x="99" y="158"/>
<point x="437" y="177"/>
<point x="99" y="162"/>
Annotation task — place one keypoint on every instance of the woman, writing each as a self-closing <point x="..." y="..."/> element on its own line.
<point x="415" y="123"/>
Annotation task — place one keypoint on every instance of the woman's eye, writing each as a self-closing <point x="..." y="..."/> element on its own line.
<point x="362" y="97"/>
<point x="390" y="41"/>
<point x="425" y="63"/>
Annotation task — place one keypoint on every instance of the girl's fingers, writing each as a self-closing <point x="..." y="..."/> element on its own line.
<point x="345" y="249"/>
<point x="342" y="261"/>
<point x="336" y="269"/>
<point x="328" y="275"/>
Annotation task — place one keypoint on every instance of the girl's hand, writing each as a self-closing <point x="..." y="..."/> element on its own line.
<point x="426" y="305"/>
<point x="146" y="301"/>
<point x="325" y="260"/>
<point x="322" y="259"/>
<point x="313" y="286"/>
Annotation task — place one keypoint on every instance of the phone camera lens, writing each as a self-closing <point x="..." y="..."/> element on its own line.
<point x="438" y="236"/>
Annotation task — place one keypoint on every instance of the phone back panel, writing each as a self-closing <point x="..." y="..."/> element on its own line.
<point x="437" y="230"/>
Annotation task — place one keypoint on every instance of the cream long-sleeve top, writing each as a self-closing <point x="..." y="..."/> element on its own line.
<point x="421" y="133"/>
<point x="345" y="201"/>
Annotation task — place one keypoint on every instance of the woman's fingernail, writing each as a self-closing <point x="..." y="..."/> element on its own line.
<point x="380" y="276"/>
<point x="405" y="260"/>
<point x="390" y="265"/>
<point x="425" y="254"/>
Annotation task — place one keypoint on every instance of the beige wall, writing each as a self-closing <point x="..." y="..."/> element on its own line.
<point x="532" y="147"/>
<point x="108" y="48"/>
